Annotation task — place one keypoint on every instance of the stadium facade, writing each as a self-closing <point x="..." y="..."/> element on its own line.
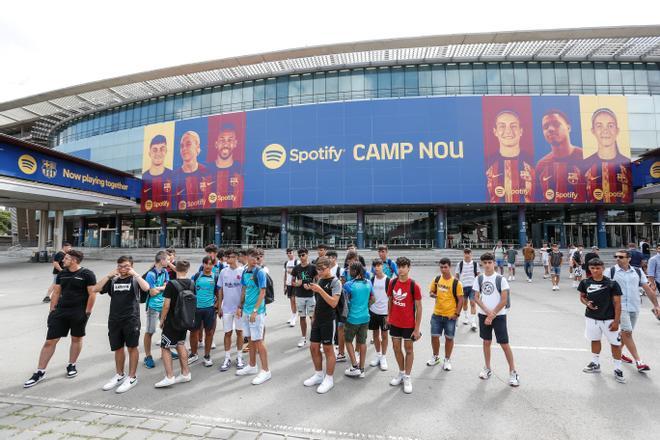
<point x="440" y="141"/>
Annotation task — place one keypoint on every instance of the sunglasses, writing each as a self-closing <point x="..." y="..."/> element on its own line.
<point x="620" y="257"/>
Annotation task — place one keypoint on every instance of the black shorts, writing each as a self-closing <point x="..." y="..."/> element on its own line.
<point x="498" y="324"/>
<point x="378" y="322"/>
<point x="124" y="333"/>
<point x="172" y="337"/>
<point x="290" y="292"/>
<point x="205" y="317"/>
<point x="60" y="321"/>
<point x="322" y="332"/>
<point x="398" y="332"/>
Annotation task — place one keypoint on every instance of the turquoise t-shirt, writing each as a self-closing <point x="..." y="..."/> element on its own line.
<point x="205" y="288"/>
<point x="156" y="279"/>
<point x="252" y="290"/>
<point x="358" y="292"/>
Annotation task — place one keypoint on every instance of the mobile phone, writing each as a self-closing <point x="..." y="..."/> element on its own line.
<point x="413" y="338"/>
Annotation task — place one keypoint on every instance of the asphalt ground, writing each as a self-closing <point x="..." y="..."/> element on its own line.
<point x="555" y="398"/>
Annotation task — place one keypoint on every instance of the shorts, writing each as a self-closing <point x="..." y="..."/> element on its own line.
<point x="555" y="270"/>
<point x="254" y="330"/>
<point x="290" y="292"/>
<point x="511" y="265"/>
<point x="577" y="271"/>
<point x="628" y="321"/>
<point x="498" y="324"/>
<point x="170" y="337"/>
<point x="231" y="322"/>
<point x="153" y="318"/>
<point x="377" y="322"/>
<point x="499" y="262"/>
<point x="594" y="330"/>
<point x="124" y="333"/>
<point x="442" y="324"/>
<point x="404" y="333"/>
<point x="205" y="317"/>
<point x="322" y="332"/>
<point x="545" y="259"/>
<point x="305" y="305"/>
<point x="355" y="331"/>
<point x="60" y="321"/>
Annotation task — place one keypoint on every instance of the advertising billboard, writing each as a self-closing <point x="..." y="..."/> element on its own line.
<point x="472" y="149"/>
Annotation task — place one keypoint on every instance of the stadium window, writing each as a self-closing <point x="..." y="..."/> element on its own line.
<point x="534" y="76"/>
<point x="506" y="76"/>
<point x="271" y="92"/>
<point x="614" y="78"/>
<point x="237" y="97"/>
<point x="521" y="83"/>
<point x="574" y="78"/>
<point x="371" y="83"/>
<point x="331" y="86"/>
<point x="561" y="77"/>
<point x="307" y="88"/>
<point x="294" y="89"/>
<point x="259" y="95"/>
<point x="548" y="78"/>
<point x="602" y="78"/>
<point x="641" y="78"/>
<point x="627" y="78"/>
<point x="439" y="79"/>
<point x="465" y="79"/>
<point x="384" y="82"/>
<point x="357" y="84"/>
<point x="588" y="78"/>
<point x="319" y="87"/>
<point x="248" y="95"/>
<point x="453" y="81"/>
<point x="398" y="81"/>
<point x="479" y="79"/>
<point x="282" y="91"/>
<point x="411" y="81"/>
<point x="344" y="85"/>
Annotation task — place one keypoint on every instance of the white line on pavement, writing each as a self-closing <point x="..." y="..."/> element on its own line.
<point x="524" y="347"/>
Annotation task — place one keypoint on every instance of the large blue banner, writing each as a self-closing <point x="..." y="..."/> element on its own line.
<point x="39" y="167"/>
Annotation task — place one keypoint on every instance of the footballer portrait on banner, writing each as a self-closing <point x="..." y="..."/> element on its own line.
<point x="226" y="156"/>
<point x="194" y="182"/>
<point x="508" y="149"/>
<point x="157" y="175"/>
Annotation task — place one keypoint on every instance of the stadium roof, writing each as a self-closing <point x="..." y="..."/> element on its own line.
<point x="46" y="110"/>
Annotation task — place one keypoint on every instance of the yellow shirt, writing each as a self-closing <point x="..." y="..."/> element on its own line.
<point x="445" y="304"/>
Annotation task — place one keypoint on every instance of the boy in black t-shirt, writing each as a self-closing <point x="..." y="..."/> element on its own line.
<point x="301" y="276"/>
<point x="57" y="268"/>
<point x="124" y="286"/>
<point x="71" y="305"/>
<point x="602" y="297"/>
<point x="172" y="336"/>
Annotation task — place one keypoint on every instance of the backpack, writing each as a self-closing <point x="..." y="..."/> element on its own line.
<point x="454" y="285"/>
<point x="295" y="263"/>
<point x="145" y="295"/>
<point x="498" y="286"/>
<point x="460" y="268"/>
<point x="637" y="271"/>
<point x="185" y="308"/>
<point x="387" y="282"/>
<point x="342" y="307"/>
<point x="270" y="290"/>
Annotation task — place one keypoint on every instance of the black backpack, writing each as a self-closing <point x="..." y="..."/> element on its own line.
<point x="460" y="268"/>
<point x="186" y="306"/>
<point x="454" y="285"/>
<point x="270" y="290"/>
<point x="498" y="286"/>
<point x="342" y="307"/>
<point x="387" y="282"/>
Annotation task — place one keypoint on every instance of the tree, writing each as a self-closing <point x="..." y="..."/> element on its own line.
<point x="5" y="223"/>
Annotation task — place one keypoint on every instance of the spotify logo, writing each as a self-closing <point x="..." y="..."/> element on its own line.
<point x="27" y="164"/>
<point x="655" y="170"/>
<point x="273" y="156"/>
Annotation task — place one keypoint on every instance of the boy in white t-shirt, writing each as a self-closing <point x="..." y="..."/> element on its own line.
<point x="378" y="314"/>
<point x="289" y="291"/>
<point x="491" y="295"/>
<point x="229" y="298"/>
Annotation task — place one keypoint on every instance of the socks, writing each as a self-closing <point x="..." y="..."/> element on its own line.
<point x="617" y="364"/>
<point x="228" y="354"/>
<point x="319" y="373"/>
<point x="40" y="370"/>
<point x="379" y="354"/>
<point x="473" y="318"/>
<point x="595" y="359"/>
<point x="328" y="378"/>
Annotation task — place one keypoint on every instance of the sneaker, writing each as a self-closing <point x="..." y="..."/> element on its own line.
<point x="126" y="385"/>
<point x="208" y="362"/>
<point x="466" y="321"/>
<point x="213" y="346"/>
<point x="37" y="377"/>
<point x="247" y="370"/>
<point x="46" y="299"/>
<point x="514" y="379"/>
<point x="397" y="380"/>
<point x="181" y="378"/>
<point x="193" y="358"/>
<point x="407" y="384"/>
<point x="71" y="371"/>
<point x="545" y="277"/>
<point x="262" y="377"/>
<point x="383" y="364"/>
<point x="375" y="361"/>
<point x="626" y="359"/>
<point x="239" y="363"/>
<point x="325" y="386"/>
<point x="316" y="379"/>
<point x="642" y="367"/>
<point x="435" y="360"/>
<point x="353" y="371"/>
<point x="529" y="280"/>
<point x="592" y="367"/>
<point x="474" y="326"/>
<point x="292" y="321"/>
<point x="618" y="376"/>
<point x="446" y="365"/>
<point x="116" y="380"/>
<point x="149" y="362"/>
<point x="485" y="373"/>
<point x="513" y="278"/>
<point x="302" y="342"/>
<point x="509" y="278"/>
<point x="341" y="358"/>
<point x="226" y="364"/>
<point x="166" y="382"/>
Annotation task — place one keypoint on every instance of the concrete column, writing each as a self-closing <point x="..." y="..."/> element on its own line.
<point x="162" y="239"/>
<point x="217" y="230"/>
<point x="58" y="230"/>
<point x="440" y="227"/>
<point x="43" y="229"/>
<point x="522" y="226"/>
<point x="284" y="229"/>
<point x="601" y="231"/>
<point x="360" y="228"/>
<point x="81" y="232"/>
<point x="117" y="239"/>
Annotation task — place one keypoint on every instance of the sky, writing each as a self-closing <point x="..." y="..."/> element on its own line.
<point x="48" y="45"/>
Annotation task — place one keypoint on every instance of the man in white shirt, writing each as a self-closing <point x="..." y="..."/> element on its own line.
<point x="229" y="298"/>
<point x="378" y="314"/>
<point x="466" y="271"/>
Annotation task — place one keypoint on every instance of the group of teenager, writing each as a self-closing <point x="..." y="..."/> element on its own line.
<point x="342" y="303"/>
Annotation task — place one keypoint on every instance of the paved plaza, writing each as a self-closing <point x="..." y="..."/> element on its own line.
<point x="555" y="400"/>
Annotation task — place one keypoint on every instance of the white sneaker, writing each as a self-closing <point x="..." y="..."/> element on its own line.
<point x="383" y="364"/>
<point x="213" y="346"/>
<point x="115" y="381"/>
<point x="529" y="280"/>
<point x="166" y="382"/>
<point x="316" y="379"/>
<point x="485" y="373"/>
<point x="183" y="378"/>
<point x="474" y="326"/>
<point x="513" y="278"/>
<point x="325" y="386"/>
<point x="514" y="380"/>
<point x="193" y="358"/>
<point x="225" y="364"/>
<point x="466" y="321"/>
<point x="397" y="380"/>
<point x="127" y="385"/>
<point x="208" y="362"/>
<point x="407" y="384"/>
<point x="435" y="360"/>
<point x="247" y="370"/>
<point x="446" y="365"/>
<point x="262" y="377"/>
<point x="239" y="362"/>
<point x="302" y="342"/>
<point x="375" y="361"/>
<point x="292" y="321"/>
<point x="353" y="372"/>
<point x="508" y="278"/>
